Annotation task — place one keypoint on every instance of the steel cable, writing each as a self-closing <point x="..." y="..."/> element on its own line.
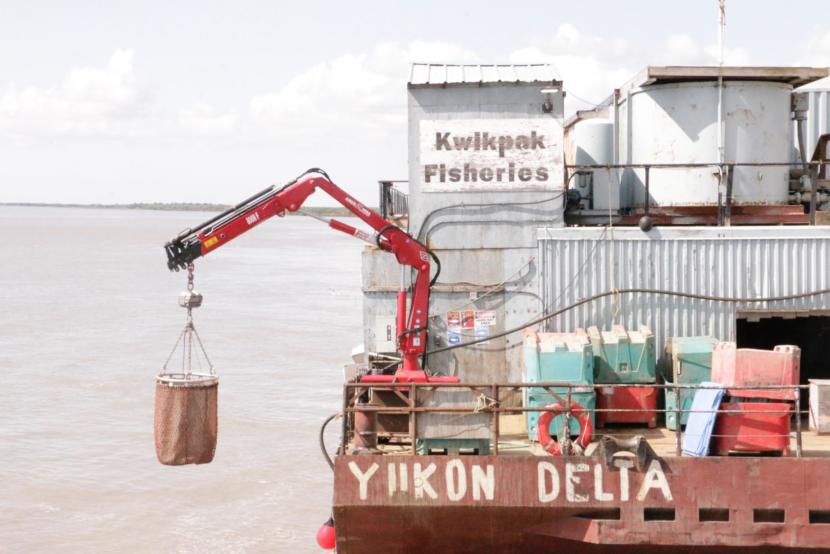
<point x="691" y="295"/>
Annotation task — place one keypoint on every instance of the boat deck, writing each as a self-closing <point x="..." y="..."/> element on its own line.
<point x="513" y="440"/>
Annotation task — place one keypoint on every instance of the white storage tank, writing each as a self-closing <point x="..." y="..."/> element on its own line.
<point x="677" y="123"/>
<point x="594" y="142"/>
<point x="818" y="117"/>
<point x="594" y="145"/>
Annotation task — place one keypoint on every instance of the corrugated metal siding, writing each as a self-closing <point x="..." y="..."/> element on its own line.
<point x="455" y="74"/>
<point x="748" y="262"/>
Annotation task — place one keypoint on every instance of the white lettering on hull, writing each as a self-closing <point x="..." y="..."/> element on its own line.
<point x="484" y="481"/>
<point x="654" y="479"/>
<point x="543" y="470"/>
<point x="571" y="480"/>
<point x="623" y="465"/>
<point x="459" y="481"/>
<point x="456" y="477"/>
<point x="420" y="477"/>
<point x="363" y="478"/>
<point x="599" y="494"/>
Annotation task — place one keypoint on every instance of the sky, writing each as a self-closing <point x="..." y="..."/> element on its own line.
<point x="176" y="101"/>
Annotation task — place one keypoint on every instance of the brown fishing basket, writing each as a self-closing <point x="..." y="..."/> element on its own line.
<point x="186" y="419"/>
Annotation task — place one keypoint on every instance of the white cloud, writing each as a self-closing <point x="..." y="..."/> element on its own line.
<point x="90" y="101"/>
<point x="682" y="49"/>
<point x="331" y="114"/>
<point x="816" y="53"/>
<point x="817" y="48"/>
<point x="590" y="66"/>
<point x="204" y="119"/>
<point x="356" y="89"/>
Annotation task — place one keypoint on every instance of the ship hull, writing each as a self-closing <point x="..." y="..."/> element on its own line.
<point x="525" y="504"/>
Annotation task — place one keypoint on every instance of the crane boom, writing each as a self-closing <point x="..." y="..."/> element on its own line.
<point x="193" y="243"/>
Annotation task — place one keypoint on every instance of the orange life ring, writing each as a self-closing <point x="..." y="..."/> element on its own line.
<point x="586" y="428"/>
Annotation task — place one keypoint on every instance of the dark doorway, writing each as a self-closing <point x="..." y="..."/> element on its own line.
<point x="811" y="334"/>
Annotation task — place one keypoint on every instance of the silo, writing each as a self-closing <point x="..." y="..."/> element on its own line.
<point x="677" y="123"/>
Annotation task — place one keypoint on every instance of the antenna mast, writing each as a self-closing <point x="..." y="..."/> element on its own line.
<point x="721" y="126"/>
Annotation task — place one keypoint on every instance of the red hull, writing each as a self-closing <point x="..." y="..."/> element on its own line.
<point x="549" y="504"/>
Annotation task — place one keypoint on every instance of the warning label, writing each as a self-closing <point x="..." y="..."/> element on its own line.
<point x="472" y="324"/>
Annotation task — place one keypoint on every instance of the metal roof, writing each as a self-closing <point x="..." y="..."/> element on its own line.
<point x="796" y="76"/>
<point x="656" y="74"/>
<point x="432" y="74"/>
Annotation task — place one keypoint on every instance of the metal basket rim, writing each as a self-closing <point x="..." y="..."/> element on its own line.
<point x="187" y="380"/>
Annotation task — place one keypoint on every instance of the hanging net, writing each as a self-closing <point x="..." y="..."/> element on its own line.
<point x="186" y="419"/>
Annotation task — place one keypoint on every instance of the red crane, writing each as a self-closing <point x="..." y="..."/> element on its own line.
<point x="195" y="242"/>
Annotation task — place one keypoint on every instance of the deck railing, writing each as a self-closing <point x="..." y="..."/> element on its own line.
<point x="815" y="172"/>
<point x="392" y="201"/>
<point x="492" y="399"/>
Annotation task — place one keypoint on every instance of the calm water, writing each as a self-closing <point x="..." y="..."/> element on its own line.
<point x="88" y="314"/>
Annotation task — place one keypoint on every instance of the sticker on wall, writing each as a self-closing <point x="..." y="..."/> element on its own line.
<point x="468" y="320"/>
<point x="485" y="319"/>
<point x="453" y="338"/>
<point x="453" y="319"/>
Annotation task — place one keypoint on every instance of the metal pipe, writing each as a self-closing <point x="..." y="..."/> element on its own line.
<point x="721" y="123"/>
<point x="344" y="428"/>
<point x="799" y="129"/>
<point x="730" y="173"/>
<point x="518" y="410"/>
<point x="495" y="419"/>
<point x="678" y="447"/>
<point x="413" y="395"/>
<point x="587" y="167"/>
<point x="568" y="415"/>
<point x="616" y="143"/>
<point x="798" y="423"/>
<point x="567" y="384"/>
<point x="813" y="194"/>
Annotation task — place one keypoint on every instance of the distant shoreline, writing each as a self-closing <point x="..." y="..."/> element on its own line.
<point x="174" y="207"/>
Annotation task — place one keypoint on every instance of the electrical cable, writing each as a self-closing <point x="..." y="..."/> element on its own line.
<point x="428" y="216"/>
<point x="619" y="292"/>
<point x="426" y="219"/>
<point x="323" y="439"/>
<point x="593" y="104"/>
<point x="489" y="289"/>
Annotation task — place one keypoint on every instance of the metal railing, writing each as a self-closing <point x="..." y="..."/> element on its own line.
<point x="726" y="171"/>
<point x="392" y="201"/>
<point x="493" y="397"/>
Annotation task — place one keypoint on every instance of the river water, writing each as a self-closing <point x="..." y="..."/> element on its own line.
<point x="88" y="315"/>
